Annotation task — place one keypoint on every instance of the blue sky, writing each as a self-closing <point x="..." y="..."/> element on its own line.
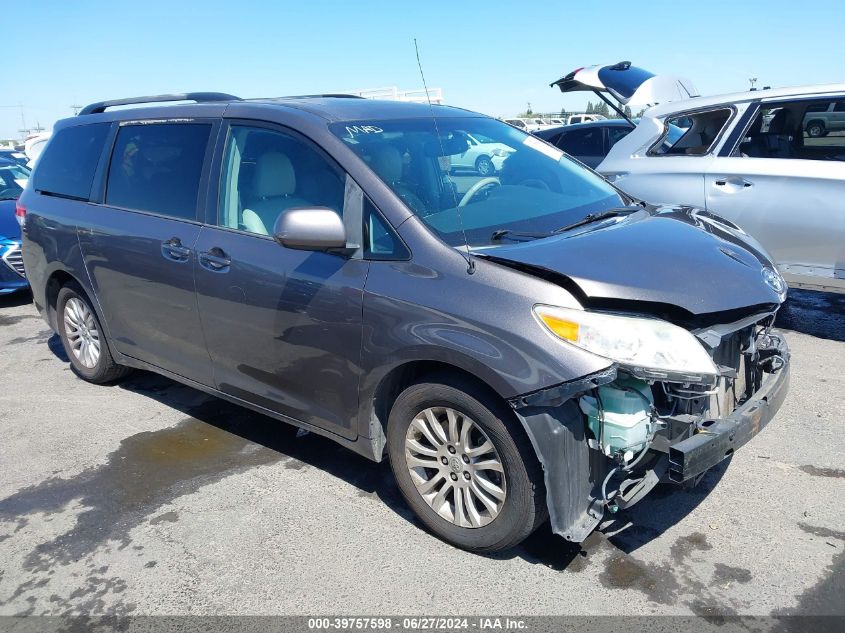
<point x="489" y="56"/>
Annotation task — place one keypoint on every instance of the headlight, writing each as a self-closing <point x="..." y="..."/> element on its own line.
<point x="498" y="151"/>
<point x="648" y="347"/>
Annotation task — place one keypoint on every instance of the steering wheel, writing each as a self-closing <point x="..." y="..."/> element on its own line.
<point x="490" y="181"/>
<point x="536" y="183"/>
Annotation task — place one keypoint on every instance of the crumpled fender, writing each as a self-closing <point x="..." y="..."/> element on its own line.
<point x="573" y="473"/>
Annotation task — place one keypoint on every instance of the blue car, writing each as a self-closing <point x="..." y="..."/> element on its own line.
<point x="14" y="156"/>
<point x="12" y="181"/>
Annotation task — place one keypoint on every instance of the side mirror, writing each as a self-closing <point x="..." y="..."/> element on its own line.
<point x="310" y="229"/>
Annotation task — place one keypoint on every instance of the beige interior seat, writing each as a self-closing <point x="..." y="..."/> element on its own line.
<point x="273" y="186"/>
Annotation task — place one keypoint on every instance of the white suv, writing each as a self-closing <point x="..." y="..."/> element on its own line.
<point x="758" y="159"/>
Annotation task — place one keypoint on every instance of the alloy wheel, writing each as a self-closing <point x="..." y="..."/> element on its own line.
<point x="81" y="332"/>
<point x="485" y="166"/>
<point x="455" y="467"/>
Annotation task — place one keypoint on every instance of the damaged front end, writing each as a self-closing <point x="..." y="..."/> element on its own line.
<point x="607" y="439"/>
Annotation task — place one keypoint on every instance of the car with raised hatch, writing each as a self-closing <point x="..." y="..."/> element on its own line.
<point x="531" y="345"/>
<point x="771" y="161"/>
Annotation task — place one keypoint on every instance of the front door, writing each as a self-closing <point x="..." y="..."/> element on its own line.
<point x="138" y="245"/>
<point x="283" y="327"/>
<point x="785" y="187"/>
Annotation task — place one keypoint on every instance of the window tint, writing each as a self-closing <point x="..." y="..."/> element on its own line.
<point x="586" y="142"/>
<point x="616" y="134"/>
<point x="380" y="242"/>
<point x="268" y="172"/>
<point x="67" y="165"/>
<point x="157" y="167"/>
<point x="700" y="132"/>
<point x="800" y="130"/>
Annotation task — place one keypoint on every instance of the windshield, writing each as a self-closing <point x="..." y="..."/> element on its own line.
<point x="511" y="180"/>
<point x="12" y="181"/>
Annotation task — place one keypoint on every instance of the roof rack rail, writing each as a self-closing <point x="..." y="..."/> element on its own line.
<point x="327" y="95"/>
<point x="198" y="97"/>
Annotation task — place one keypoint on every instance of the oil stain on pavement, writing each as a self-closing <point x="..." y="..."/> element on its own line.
<point x="147" y="471"/>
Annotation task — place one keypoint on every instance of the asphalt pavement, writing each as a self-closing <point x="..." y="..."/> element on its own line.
<point x="148" y="497"/>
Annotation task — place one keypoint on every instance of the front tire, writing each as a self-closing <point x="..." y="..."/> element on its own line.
<point x="83" y="338"/>
<point x="484" y="166"/>
<point x="463" y="465"/>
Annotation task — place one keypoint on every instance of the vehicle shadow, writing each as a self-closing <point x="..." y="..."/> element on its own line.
<point x="819" y="314"/>
<point x="627" y="531"/>
<point x="296" y="448"/>
<point x="15" y="299"/>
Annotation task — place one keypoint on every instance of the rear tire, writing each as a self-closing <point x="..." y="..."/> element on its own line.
<point x="508" y="475"/>
<point x="83" y="338"/>
<point x="815" y="129"/>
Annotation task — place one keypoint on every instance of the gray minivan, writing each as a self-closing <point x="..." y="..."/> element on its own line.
<point x="521" y="346"/>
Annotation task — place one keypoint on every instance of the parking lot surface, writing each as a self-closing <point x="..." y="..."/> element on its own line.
<point x="148" y="497"/>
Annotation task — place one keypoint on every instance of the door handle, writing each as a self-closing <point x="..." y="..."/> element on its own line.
<point x="734" y="183"/>
<point x="173" y="250"/>
<point x="215" y="259"/>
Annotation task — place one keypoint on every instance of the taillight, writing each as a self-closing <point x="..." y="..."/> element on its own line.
<point x="20" y="212"/>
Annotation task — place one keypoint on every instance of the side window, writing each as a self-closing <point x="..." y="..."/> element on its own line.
<point x="803" y="130"/>
<point x="267" y="172"/>
<point x="67" y="165"/>
<point x="616" y="134"/>
<point x="157" y="167"/>
<point x="380" y="242"/>
<point x="584" y="142"/>
<point x="553" y="139"/>
<point x="700" y="131"/>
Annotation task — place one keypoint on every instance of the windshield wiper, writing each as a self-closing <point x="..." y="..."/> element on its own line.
<point x="587" y="219"/>
<point x="595" y="217"/>
<point x="500" y="233"/>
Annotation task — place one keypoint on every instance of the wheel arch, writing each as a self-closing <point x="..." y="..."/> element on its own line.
<point x="379" y="403"/>
<point x="55" y="282"/>
<point x="812" y="121"/>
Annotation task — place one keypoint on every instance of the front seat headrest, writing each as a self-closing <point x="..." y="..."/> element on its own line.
<point x="274" y="176"/>
<point x="386" y="161"/>
<point x="778" y="124"/>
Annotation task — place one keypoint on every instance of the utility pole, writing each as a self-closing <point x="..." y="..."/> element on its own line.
<point x="76" y="109"/>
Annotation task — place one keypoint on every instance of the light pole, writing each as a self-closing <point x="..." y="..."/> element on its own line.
<point x="752" y="81"/>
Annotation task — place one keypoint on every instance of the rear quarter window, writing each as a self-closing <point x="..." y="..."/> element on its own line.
<point x="157" y="168"/>
<point x="67" y="166"/>
<point x="700" y="131"/>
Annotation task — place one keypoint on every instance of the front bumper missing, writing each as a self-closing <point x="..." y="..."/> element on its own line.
<point x="574" y="473"/>
<point x="719" y="438"/>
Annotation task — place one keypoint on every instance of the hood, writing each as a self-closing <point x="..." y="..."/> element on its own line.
<point x="628" y="84"/>
<point x="9" y="227"/>
<point x="664" y="258"/>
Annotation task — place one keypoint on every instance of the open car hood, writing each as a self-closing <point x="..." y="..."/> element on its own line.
<point x="676" y="262"/>
<point x="628" y="84"/>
